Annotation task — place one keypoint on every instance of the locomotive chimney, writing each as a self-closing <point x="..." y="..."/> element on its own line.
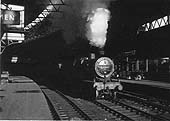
<point x="101" y="51"/>
<point x="96" y="52"/>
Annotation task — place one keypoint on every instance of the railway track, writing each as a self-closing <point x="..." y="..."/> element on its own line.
<point x="94" y="111"/>
<point x="150" y="105"/>
<point x="155" y="101"/>
<point x="63" y="108"/>
<point x="67" y="108"/>
<point x="132" y="112"/>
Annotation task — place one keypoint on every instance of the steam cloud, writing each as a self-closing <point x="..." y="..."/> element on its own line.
<point x="97" y="21"/>
<point x="78" y="18"/>
<point x="97" y="27"/>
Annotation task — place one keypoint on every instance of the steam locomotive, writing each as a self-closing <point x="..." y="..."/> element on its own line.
<point x="104" y="78"/>
<point x="106" y="82"/>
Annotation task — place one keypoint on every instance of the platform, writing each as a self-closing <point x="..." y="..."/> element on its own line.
<point x="22" y="99"/>
<point x="158" y="84"/>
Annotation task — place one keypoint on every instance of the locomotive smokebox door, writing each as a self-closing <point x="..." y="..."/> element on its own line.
<point x="104" y="67"/>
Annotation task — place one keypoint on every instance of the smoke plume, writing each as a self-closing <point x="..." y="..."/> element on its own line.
<point x="97" y="16"/>
<point x="78" y="18"/>
<point x="97" y="27"/>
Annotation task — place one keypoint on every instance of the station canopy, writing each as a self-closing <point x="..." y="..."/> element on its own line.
<point x="140" y="10"/>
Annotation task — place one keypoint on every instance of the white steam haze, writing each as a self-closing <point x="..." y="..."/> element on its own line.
<point x="80" y="19"/>
<point x="97" y="27"/>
